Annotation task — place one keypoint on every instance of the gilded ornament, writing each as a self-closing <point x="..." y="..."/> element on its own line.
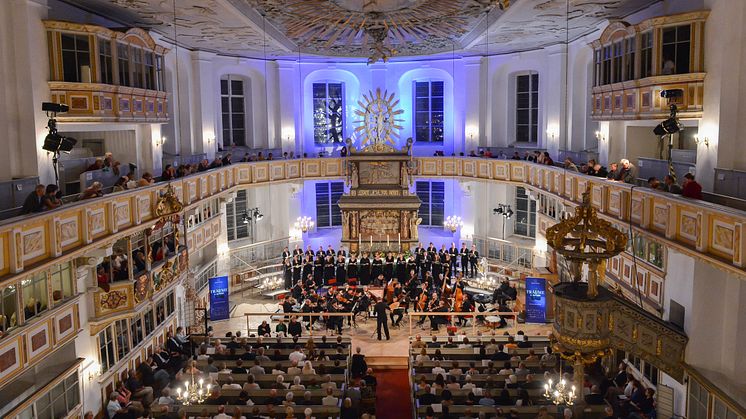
<point x="168" y="203"/>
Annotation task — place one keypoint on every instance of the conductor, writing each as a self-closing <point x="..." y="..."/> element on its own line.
<point x="382" y="320"/>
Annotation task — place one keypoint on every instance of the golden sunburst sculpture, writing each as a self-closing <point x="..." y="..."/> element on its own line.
<point x="380" y="121"/>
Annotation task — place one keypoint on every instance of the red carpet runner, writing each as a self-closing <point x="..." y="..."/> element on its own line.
<point x="393" y="395"/>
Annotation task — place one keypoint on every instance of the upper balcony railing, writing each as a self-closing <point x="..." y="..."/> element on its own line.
<point x="712" y="231"/>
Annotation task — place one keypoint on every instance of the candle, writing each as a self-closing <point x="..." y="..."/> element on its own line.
<point x="371" y="242"/>
<point x="400" y="242"/>
<point x="387" y="240"/>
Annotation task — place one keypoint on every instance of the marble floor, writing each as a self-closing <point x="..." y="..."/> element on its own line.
<point x="364" y="335"/>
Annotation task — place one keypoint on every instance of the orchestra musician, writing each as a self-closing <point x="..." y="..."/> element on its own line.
<point x="398" y="308"/>
<point x="380" y="309"/>
<point x="307" y="267"/>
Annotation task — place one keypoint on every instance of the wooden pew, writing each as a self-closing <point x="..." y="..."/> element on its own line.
<point x="525" y="412"/>
<point x="196" y="410"/>
<point x="265" y="379"/>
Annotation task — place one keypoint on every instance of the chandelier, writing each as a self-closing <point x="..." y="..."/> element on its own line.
<point x="559" y="393"/>
<point x="304" y="223"/>
<point x="453" y="223"/>
<point x="193" y="392"/>
<point x="585" y="239"/>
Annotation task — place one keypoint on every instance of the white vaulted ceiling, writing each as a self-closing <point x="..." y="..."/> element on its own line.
<point x="347" y="28"/>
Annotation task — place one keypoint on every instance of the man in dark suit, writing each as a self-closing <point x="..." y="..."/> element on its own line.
<point x="473" y="261"/>
<point x="464" y="253"/>
<point x="239" y="368"/>
<point x="382" y="319"/>
<point x="499" y="355"/>
<point x="33" y="202"/>
<point x="595" y="397"/>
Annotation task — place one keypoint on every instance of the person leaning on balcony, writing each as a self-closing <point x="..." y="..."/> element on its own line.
<point x="93" y="191"/>
<point x="628" y="172"/>
<point x="670" y="185"/>
<point x="34" y="200"/>
<point x="691" y="189"/>
<point x="51" y="199"/>
<point x="613" y="171"/>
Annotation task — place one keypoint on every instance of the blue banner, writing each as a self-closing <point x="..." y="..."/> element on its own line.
<point x="219" y="308"/>
<point x="536" y="300"/>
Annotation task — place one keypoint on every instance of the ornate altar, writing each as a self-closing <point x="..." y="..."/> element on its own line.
<point x="379" y="213"/>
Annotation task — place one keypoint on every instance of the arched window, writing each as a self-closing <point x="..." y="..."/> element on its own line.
<point x="429" y="116"/>
<point x="328" y="113"/>
<point x="233" y="110"/>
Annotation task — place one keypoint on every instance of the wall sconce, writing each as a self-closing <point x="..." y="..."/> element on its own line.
<point x="94" y="371"/>
<point x="704" y="140"/>
<point x="159" y="143"/>
<point x="600" y="136"/>
<point x="552" y="132"/>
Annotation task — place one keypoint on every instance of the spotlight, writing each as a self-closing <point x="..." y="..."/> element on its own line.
<point x="508" y="213"/>
<point x="670" y="125"/>
<point x="54" y="107"/>
<point x="54" y="142"/>
<point x="496" y="211"/>
<point x="245" y="218"/>
<point x="672" y="93"/>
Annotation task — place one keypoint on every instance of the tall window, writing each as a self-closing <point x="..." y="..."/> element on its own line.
<point x="62" y="282"/>
<point x="328" y="213"/>
<point x="527" y="108"/>
<point x="328" y="113"/>
<point x="428" y="110"/>
<point x="432" y="197"/>
<point x="136" y="331"/>
<point x="629" y="57"/>
<point x="698" y="396"/>
<point x="525" y="214"/>
<point x="149" y="71"/>
<point x="233" y="109"/>
<point x="617" y="59"/>
<point x="606" y="51"/>
<point x="105" y="61"/>
<point x="599" y="64"/>
<point x="123" y="340"/>
<point x="8" y="308"/>
<point x="35" y="295"/>
<point x="234" y="212"/>
<point x="646" y="54"/>
<point x="676" y="49"/>
<point x="60" y="400"/>
<point x="123" y="64"/>
<point x="76" y="58"/>
<point x="138" y="77"/>
<point x="159" y="79"/>
<point x="106" y="349"/>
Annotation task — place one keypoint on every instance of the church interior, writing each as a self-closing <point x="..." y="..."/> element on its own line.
<point x="372" y="208"/>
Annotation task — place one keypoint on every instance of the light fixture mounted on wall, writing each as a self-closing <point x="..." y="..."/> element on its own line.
<point x="600" y="136"/>
<point x="94" y="371"/>
<point x="702" y="140"/>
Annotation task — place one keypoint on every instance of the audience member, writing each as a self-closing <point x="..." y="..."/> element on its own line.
<point x="691" y="189"/>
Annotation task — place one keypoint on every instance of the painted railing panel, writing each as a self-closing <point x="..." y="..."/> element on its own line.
<point x="27" y="244"/>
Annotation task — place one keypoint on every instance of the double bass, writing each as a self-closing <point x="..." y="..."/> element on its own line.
<point x="458" y="296"/>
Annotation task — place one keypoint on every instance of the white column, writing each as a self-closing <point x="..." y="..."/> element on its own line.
<point x="205" y="89"/>
<point x="274" y="130"/>
<point x="289" y="99"/>
<point x="24" y="72"/>
<point x="473" y="102"/>
<point x="553" y="95"/>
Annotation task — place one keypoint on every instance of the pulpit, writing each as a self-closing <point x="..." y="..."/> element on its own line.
<point x="379" y="213"/>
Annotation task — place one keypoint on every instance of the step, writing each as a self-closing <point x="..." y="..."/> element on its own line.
<point x="387" y="362"/>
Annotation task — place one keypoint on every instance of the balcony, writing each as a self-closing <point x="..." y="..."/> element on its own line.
<point x="633" y="64"/>
<point x="105" y="75"/>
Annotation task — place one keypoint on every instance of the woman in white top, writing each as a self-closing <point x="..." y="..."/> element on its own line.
<point x="422" y="356"/>
<point x="296" y="384"/>
<point x="251" y="384"/>
<point x="308" y="368"/>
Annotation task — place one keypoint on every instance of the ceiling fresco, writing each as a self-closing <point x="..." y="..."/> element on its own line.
<point x="377" y="29"/>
